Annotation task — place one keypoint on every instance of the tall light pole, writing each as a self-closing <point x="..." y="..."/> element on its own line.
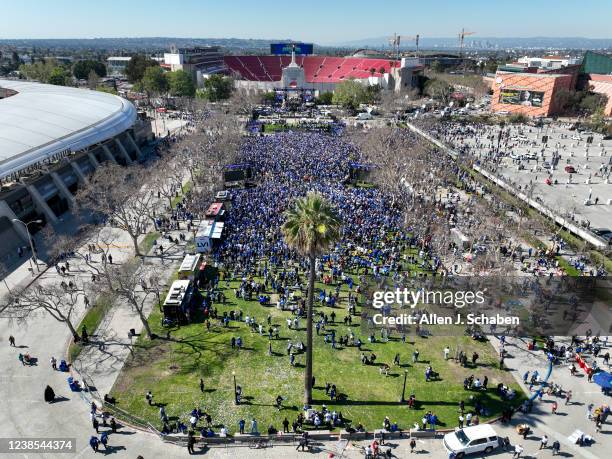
<point x="30" y="238"/>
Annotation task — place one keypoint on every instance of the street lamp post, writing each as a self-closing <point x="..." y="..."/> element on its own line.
<point x="235" y="389"/>
<point x="404" y="386"/>
<point x="30" y="238"/>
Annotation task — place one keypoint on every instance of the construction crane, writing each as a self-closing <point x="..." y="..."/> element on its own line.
<point x="396" y="39"/>
<point x="462" y="36"/>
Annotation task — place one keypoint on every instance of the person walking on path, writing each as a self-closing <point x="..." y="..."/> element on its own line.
<point x="95" y="423"/>
<point x="554" y="408"/>
<point x="12" y="341"/>
<point x="94" y="442"/>
<point x="53" y="363"/>
<point x="190" y="442"/>
<point x="412" y="445"/>
<point x="104" y="440"/>
<point x="568" y="397"/>
<point x="518" y="450"/>
<point x="241" y="424"/>
<point x="556" y="446"/>
<point x="543" y="442"/>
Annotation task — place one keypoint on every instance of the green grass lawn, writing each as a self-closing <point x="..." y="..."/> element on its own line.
<point x="91" y="320"/>
<point x="172" y="368"/>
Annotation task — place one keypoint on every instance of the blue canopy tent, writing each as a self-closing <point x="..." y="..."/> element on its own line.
<point x="603" y="379"/>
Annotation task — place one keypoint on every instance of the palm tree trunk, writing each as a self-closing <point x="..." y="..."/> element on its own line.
<point x="309" y="314"/>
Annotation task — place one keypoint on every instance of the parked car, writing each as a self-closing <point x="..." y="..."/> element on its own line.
<point x="470" y="440"/>
<point x="570" y="169"/>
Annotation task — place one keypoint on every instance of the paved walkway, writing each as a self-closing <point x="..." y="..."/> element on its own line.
<point x="569" y="417"/>
<point x="102" y="362"/>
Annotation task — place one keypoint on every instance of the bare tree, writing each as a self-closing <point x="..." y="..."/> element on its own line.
<point x="91" y="246"/>
<point x="119" y="194"/>
<point x="165" y="178"/>
<point x="130" y="283"/>
<point x="243" y="101"/>
<point x="60" y="302"/>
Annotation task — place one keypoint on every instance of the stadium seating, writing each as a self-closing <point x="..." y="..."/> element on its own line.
<point x="317" y="69"/>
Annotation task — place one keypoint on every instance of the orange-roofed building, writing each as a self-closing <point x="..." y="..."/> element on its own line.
<point x="532" y="94"/>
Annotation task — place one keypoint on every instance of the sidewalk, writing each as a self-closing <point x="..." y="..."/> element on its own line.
<point x="102" y="361"/>
<point x="569" y="417"/>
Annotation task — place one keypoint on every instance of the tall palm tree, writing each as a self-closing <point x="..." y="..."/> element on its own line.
<point x="311" y="226"/>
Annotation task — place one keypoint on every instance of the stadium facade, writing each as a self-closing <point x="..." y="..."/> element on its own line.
<point x="321" y="73"/>
<point x="51" y="139"/>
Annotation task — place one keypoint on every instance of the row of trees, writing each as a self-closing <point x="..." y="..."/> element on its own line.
<point x="156" y="81"/>
<point x="413" y="174"/>
<point x="484" y="66"/>
<point x="50" y="71"/>
<point x="130" y="206"/>
<point x="150" y="78"/>
<point x="350" y="94"/>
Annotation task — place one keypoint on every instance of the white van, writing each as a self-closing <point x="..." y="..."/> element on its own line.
<point x="473" y="439"/>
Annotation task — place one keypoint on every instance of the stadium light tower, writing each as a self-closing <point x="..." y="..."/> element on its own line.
<point x="396" y="39"/>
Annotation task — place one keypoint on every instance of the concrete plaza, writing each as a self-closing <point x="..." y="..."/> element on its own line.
<point x="568" y="195"/>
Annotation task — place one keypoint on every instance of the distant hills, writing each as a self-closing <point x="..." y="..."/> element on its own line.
<point x="138" y="43"/>
<point x="160" y="44"/>
<point x="488" y="43"/>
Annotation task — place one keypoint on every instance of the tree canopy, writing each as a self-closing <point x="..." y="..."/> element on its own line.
<point x="58" y="76"/>
<point x="351" y="94"/>
<point x="437" y="67"/>
<point x="82" y="69"/>
<point x="217" y="87"/>
<point x="136" y="67"/>
<point x="325" y="98"/>
<point x="154" y="80"/>
<point x="39" y="71"/>
<point x="439" y="90"/>
<point x="181" y="84"/>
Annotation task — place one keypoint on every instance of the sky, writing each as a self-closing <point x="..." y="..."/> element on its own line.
<point x="319" y="21"/>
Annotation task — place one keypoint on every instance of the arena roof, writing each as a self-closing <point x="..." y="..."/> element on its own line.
<point x="41" y="120"/>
